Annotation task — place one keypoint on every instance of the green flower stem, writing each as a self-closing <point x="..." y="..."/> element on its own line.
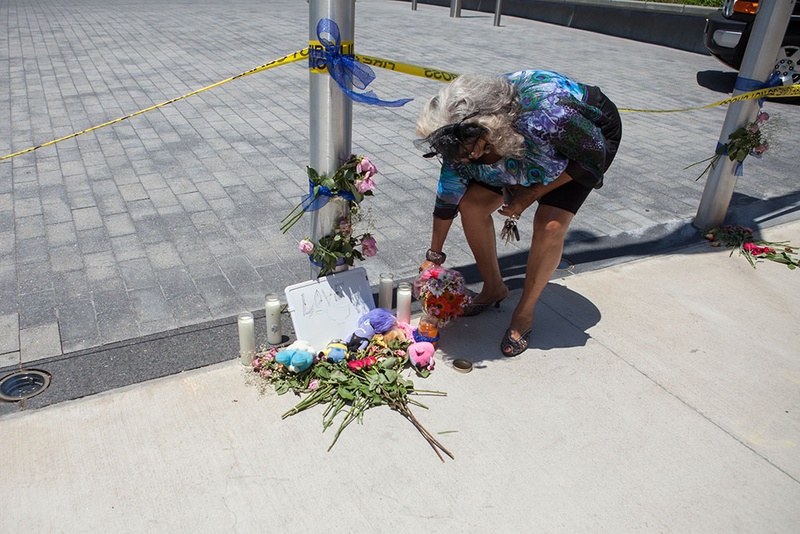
<point x="316" y="397"/>
<point x="292" y="220"/>
<point x="355" y="409"/>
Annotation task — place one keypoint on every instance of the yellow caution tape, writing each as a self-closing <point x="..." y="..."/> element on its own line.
<point x="405" y="68"/>
<point x="316" y="52"/>
<point x="770" y="92"/>
<point x="285" y="60"/>
<point x="347" y="47"/>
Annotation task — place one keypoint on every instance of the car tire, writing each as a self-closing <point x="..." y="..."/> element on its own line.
<point x="787" y="64"/>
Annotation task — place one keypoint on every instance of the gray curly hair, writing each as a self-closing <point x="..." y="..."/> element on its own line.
<point x="495" y="101"/>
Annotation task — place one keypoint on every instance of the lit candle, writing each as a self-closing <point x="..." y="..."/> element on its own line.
<point x="273" y="309"/>
<point x="385" y="291"/>
<point x="404" y="302"/>
<point x="247" y="338"/>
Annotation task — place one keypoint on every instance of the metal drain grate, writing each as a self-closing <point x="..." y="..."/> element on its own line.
<point x="23" y="384"/>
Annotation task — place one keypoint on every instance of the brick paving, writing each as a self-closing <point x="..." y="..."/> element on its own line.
<point x="170" y="219"/>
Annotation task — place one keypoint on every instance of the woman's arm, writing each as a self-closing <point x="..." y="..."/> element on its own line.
<point x="524" y="196"/>
<point x="441" y="227"/>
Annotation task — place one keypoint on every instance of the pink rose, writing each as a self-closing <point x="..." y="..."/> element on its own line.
<point x="760" y="149"/>
<point x="762" y="117"/>
<point x="367" y="184"/>
<point x="314" y="384"/>
<point x="756" y="250"/>
<point x="306" y="246"/>
<point x="366" y="168"/>
<point x="369" y="247"/>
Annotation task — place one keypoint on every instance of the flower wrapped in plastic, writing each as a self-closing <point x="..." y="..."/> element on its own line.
<point x="442" y="293"/>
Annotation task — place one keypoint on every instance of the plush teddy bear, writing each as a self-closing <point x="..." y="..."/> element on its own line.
<point x="297" y="357"/>
<point x="377" y="321"/>
<point x="335" y="352"/>
<point x="395" y="333"/>
<point x="421" y="355"/>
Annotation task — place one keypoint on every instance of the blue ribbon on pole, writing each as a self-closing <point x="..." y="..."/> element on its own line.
<point x="319" y="195"/>
<point x="344" y="69"/>
<point x="747" y="85"/>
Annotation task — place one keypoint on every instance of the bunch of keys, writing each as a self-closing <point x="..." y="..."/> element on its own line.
<point x="509" y="230"/>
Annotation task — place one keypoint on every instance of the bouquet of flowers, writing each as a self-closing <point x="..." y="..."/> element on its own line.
<point x="442" y="292"/>
<point x="754" y="250"/>
<point x="367" y="378"/>
<point x="749" y="140"/>
<point x="352" y="181"/>
<point x="339" y="248"/>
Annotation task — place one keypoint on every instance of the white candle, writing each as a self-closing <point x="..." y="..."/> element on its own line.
<point x="404" y="302"/>
<point x="273" y="309"/>
<point x="247" y="338"/>
<point x="385" y="291"/>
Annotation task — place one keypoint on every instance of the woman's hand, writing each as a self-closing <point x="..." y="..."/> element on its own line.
<point x="521" y="199"/>
<point x="427" y="264"/>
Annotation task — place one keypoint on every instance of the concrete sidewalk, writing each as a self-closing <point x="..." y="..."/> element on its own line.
<point x="660" y="395"/>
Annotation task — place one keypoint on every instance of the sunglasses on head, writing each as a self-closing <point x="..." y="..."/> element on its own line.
<point x="450" y="141"/>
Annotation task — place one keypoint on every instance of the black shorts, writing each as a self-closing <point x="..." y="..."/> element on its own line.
<point x="571" y="196"/>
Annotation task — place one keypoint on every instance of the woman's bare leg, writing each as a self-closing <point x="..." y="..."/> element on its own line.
<point x="476" y="208"/>
<point x="550" y="226"/>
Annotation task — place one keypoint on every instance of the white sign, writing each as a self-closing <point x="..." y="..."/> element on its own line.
<point x="328" y="308"/>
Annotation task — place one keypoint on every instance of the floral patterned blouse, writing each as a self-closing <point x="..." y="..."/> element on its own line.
<point x="559" y="128"/>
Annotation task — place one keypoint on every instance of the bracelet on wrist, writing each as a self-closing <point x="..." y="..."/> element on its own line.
<point x="437" y="258"/>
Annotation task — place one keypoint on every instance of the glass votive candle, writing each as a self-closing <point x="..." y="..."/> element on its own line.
<point x="404" y="302"/>
<point x="272" y="306"/>
<point x="247" y="338"/>
<point x="385" y="291"/>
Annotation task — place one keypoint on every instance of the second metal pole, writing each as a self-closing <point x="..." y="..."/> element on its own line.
<point x="759" y="60"/>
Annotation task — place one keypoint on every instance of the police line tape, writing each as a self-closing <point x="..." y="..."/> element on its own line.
<point x="405" y="68"/>
<point x="770" y="92"/>
<point x="290" y="58"/>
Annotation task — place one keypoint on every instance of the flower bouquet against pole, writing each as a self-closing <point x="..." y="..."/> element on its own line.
<point x="443" y="295"/>
<point x="749" y="140"/>
<point x="334" y="252"/>
<point x="352" y="182"/>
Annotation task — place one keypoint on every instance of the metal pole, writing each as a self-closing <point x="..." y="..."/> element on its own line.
<point x="498" y="8"/>
<point x="331" y="114"/>
<point x="759" y="60"/>
<point x="455" y="8"/>
<point x="413" y="5"/>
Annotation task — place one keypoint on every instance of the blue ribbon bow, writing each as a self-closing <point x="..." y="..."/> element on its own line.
<point x="344" y="69"/>
<point x="319" y="195"/>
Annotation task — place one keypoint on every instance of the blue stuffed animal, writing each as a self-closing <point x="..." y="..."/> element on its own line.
<point x="297" y="357"/>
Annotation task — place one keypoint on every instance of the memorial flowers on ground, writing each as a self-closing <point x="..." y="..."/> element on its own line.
<point x="740" y="238"/>
<point x="347" y="388"/>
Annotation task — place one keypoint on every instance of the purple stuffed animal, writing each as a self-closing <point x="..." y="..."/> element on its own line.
<point x="377" y="321"/>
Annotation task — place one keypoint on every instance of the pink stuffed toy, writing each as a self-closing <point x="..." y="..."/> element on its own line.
<point x="421" y="355"/>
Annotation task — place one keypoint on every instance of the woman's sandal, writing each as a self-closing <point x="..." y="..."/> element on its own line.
<point x="514" y="347"/>
<point x="474" y="308"/>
